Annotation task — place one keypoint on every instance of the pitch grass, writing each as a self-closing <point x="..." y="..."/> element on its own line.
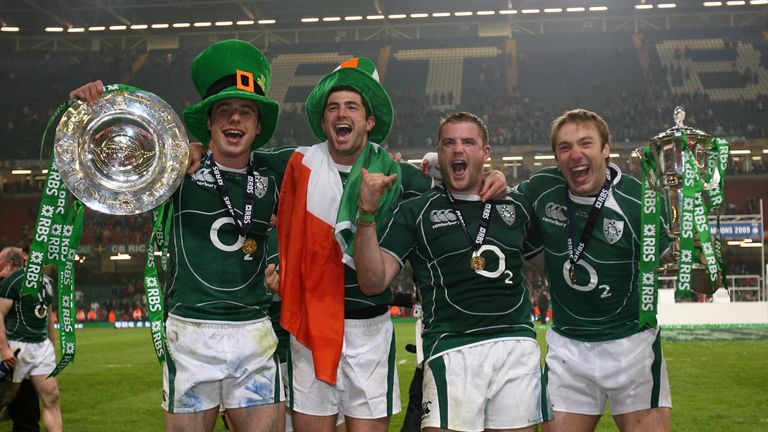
<point x="115" y="384"/>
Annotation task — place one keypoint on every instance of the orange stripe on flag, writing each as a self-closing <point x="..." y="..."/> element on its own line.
<point x="311" y="274"/>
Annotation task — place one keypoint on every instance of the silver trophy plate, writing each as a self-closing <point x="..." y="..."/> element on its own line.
<point x="124" y="154"/>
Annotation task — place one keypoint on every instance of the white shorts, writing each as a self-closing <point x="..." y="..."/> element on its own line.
<point x="493" y="385"/>
<point x="230" y="364"/>
<point x="35" y="358"/>
<point x="366" y="381"/>
<point x="629" y="373"/>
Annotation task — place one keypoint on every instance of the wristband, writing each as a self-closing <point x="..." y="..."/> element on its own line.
<point x="366" y="218"/>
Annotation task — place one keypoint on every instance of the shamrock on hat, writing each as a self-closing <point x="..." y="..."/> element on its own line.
<point x="231" y="69"/>
<point x="359" y="73"/>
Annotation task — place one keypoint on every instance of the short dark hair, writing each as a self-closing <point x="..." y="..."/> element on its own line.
<point x="346" y="87"/>
<point x="13" y="255"/>
<point x="464" y="117"/>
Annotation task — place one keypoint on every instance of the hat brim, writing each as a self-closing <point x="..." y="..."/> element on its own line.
<point x="196" y="116"/>
<point x="374" y="94"/>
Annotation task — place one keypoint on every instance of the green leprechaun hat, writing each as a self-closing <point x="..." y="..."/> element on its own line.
<point x="231" y="69"/>
<point x="359" y="73"/>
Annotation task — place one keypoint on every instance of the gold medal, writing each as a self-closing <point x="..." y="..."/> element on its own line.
<point x="477" y="263"/>
<point x="572" y="273"/>
<point x="249" y="246"/>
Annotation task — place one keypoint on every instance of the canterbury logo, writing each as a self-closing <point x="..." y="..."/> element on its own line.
<point x="556" y="212"/>
<point x="438" y="216"/>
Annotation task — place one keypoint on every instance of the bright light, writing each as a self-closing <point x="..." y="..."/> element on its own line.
<point x="733" y="242"/>
<point x="331" y="19"/>
<point x="21" y="171"/>
<point x="758" y="2"/>
<point x="736" y="3"/>
<point x="441" y="14"/>
<point x="598" y="8"/>
<point x="508" y="12"/>
<point x="45" y="171"/>
<point x="575" y="9"/>
<point x="75" y="30"/>
<point x="202" y="24"/>
<point x="553" y="10"/>
<point x="375" y="17"/>
<point x="120" y="257"/>
<point x="741" y="152"/>
<point x="397" y="16"/>
<point x="530" y="11"/>
<point x="118" y="27"/>
<point x="544" y="157"/>
<point x="9" y="29"/>
<point x="463" y="13"/>
<point x="614" y="155"/>
<point x="765" y="150"/>
<point x="139" y="27"/>
<point x="223" y="23"/>
<point x="712" y="3"/>
<point x="181" y="25"/>
<point x="666" y="5"/>
<point x="160" y="26"/>
<point x="267" y="21"/>
<point x="484" y="13"/>
<point x="751" y="245"/>
<point x="644" y="6"/>
<point x="419" y="15"/>
<point x="310" y="20"/>
<point x="54" y="29"/>
<point x="97" y="28"/>
<point x="353" y="18"/>
<point x="512" y="158"/>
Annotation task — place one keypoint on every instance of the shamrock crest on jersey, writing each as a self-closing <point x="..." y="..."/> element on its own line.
<point x="612" y="230"/>
<point x="507" y="213"/>
<point x="261" y="186"/>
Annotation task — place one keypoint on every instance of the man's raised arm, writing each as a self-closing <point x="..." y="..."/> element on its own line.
<point x="375" y="268"/>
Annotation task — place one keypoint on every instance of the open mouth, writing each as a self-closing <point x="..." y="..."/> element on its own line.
<point x="343" y="130"/>
<point x="580" y="173"/>
<point x="459" y="167"/>
<point x="234" y="135"/>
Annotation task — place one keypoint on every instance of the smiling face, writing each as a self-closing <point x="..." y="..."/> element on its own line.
<point x="581" y="156"/>
<point x="461" y="152"/>
<point x="346" y="124"/>
<point x="234" y="125"/>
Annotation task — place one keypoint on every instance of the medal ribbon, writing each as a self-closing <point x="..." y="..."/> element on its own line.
<point x="586" y="235"/>
<point x="250" y="197"/>
<point x="163" y="218"/>
<point x="485" y="222"/>
<point x="650" y="220"/>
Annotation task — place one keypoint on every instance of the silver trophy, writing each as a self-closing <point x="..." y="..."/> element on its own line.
<point x="667" y="179"/>
<point x="124" y="154"/>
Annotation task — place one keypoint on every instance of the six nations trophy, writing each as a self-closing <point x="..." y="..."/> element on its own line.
<point x="124" y="154"/>
<point x="685" y="167"/>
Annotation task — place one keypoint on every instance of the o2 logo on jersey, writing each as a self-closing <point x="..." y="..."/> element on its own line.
<point x="502" y="262"/>
<point x="214" y="234"/>
<point x="592" y="278"/>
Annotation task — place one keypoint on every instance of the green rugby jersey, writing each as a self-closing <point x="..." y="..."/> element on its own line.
<point x="21" y="323"/>
<point x="413" y="182"/>
<point x="463" y="306"/>
<point x="603" y="304"/>
<point x="213" y="279"/>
